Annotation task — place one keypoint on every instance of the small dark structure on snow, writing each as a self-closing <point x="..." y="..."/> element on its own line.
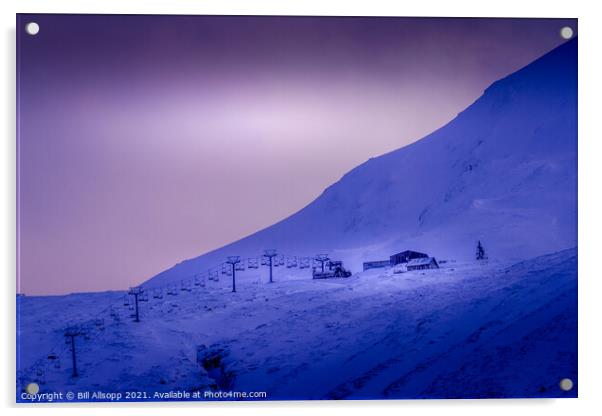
<point x="376" y="264"/>
<point x="422" y="264"/>
<point x="333" y="269"/>
<point x="481" y="251"/>
<point x="406" y="256"/>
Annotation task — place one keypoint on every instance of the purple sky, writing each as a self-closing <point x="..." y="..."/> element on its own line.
<point x="146" y="140"/>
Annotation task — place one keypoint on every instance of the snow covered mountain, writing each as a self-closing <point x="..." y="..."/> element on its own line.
<point x="504" y="171"/>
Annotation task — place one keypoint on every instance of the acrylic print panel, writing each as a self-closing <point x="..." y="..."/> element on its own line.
<point x="296" y="208"/>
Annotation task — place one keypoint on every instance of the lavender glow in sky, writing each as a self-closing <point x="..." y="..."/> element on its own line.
<point x="146" y="140"/>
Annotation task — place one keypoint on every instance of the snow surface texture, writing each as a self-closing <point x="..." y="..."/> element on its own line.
<point x="469" y="329"/>
<point x="503" y="172"/>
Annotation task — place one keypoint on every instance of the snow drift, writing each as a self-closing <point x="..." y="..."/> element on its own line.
<point x="467" y="330"/>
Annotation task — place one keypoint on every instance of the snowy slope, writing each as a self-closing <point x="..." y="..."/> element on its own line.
<point x="503" y="171"/>
<point x="465" y="330"/>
